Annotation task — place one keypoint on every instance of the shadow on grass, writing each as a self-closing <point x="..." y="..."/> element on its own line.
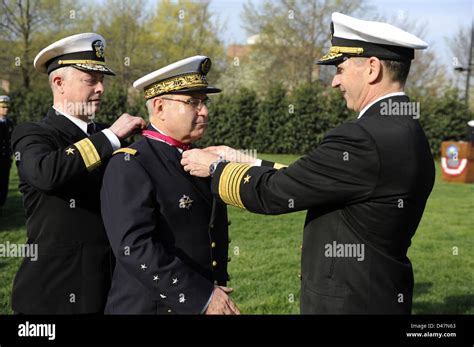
<point x="460" y="304"/>
<point x="422" y="288"/>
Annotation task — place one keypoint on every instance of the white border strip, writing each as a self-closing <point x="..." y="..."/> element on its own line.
<point x="453" y="172"/>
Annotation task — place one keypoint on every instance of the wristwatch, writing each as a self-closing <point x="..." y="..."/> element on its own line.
<point x="213" y="166"/>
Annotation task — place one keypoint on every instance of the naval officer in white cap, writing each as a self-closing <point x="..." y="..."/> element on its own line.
<point x="60" y="163"/>
<point x="365" y="186"/>
<point x="176" y="233"/>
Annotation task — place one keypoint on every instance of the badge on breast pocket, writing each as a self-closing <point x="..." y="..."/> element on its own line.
<point x="185" y="202"/>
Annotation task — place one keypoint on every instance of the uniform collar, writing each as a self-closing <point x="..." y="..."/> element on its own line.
<point x="152" y="127"/>
<point x="79" y="122"/>
<point x="377" y="100"/>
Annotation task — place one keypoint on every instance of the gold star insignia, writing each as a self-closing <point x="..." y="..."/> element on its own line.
<point x="247" y="179"/>
<point x="70" y="151"/>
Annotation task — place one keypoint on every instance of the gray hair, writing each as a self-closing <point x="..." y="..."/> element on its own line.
<point x="149" y="106"/>
<point x="63" y="72"/>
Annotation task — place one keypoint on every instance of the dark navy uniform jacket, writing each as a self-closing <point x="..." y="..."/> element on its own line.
<point x="367" y="184"/>
<point x="60" y="170"/>
<point x="6" y="130"/>
<point x="169" y="236"/>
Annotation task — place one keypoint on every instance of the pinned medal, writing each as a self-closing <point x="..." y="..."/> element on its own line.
<point x="185" y="202"/>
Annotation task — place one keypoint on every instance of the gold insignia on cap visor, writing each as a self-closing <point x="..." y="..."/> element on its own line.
<point x="94" y="66"/>
<point x="80" y="61"/>
<point x="337" y="51"/>
<point x="176" y="83"/>
<point x="186" y="75"/>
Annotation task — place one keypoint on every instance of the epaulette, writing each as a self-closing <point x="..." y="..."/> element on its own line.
<point x="126" y="150"/>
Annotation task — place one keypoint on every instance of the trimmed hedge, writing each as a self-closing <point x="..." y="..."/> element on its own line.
<point x="278" y="121"/>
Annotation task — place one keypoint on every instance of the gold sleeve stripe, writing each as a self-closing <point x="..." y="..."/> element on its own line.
<point x="235" y="188"/>
<point x="229" y="183"/>
<point x="223" y="182"/>
<point x="278" y="166"/>
<point x="89" y="154"/>
<point x="126" y="150"/>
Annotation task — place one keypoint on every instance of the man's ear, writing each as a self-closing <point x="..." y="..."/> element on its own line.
<point x="375" y="69"/>
<point x="158" y="108"/>
<point x="58" y="83"/>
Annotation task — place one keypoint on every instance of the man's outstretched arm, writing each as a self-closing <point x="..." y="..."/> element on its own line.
<point x="342" y="169"/>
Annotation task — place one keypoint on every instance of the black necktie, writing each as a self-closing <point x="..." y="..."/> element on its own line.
<point x="91" y="128"/>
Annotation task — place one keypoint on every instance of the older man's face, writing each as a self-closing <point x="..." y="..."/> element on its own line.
<point x="350" y="80"/>
<point x="83" y="92"/>
<point x="187" y="122"/>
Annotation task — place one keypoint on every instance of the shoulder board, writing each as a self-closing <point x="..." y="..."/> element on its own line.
<point x="279" y="166"/>
<point x="126" y="150"/>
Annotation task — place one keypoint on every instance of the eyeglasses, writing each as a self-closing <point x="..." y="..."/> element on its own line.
<point x="194" y="102"/>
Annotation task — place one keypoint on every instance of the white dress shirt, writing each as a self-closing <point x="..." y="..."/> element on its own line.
<point x="113" y="139"/>
<point x="161" y="132"/>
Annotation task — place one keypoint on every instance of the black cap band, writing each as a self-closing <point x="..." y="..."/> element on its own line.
<point x="86" y="57"/>
<point x="384" y="52"/>
<point x="345" y="48"/>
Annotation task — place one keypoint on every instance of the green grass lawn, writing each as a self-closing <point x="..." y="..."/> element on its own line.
<point x="265" y="252"/>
